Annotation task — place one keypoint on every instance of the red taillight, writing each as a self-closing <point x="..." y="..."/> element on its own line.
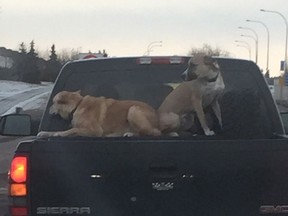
<point x="18" y="170"/>
<point x="18" y="190"/>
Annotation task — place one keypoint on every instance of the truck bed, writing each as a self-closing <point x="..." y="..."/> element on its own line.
<point x="172" y="176"/>
<point x="241" y="171"/>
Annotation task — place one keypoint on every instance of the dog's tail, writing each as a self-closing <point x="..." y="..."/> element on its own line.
<point x="169" y="122"/>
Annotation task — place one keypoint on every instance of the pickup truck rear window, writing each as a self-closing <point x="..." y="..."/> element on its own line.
<point x="244" y="104"/>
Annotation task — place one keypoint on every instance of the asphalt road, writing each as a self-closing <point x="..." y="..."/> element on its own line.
<point x="7" y="103"/>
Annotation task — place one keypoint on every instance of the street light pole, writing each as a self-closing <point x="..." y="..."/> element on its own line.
<point x="286" y="23"/>
<point x="256" y="40"/>
<point x="256" y="45"/>
<point x="246" y="45"/>
<point x="151" y="45"/>
<point x="268" y="40"/>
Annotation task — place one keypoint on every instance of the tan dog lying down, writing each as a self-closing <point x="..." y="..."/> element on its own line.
<point x="99" y="116"/>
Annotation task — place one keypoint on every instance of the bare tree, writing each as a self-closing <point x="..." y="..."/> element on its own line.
<point x="207" y="49"/>
<point x="68" y="55"/>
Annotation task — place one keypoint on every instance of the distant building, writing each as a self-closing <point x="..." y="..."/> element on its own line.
<point x="92" y="55"/>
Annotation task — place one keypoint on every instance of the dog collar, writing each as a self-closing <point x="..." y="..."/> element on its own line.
<point x="214" y="78"/>
<point x="70" y="117"/>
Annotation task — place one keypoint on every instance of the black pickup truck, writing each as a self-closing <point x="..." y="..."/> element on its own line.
<point x="240" y="171"/>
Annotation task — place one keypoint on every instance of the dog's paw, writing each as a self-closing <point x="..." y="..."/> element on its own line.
<point x="57" y="134"/>
<point x="173" y="134"/>
<point x="128" y="134"/>
<point x="209" y="133"/>
<point x="45" y="134"/>
<point x="65" y="134"/>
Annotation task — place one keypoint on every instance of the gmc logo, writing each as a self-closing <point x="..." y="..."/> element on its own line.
<point x="270" y="209"/>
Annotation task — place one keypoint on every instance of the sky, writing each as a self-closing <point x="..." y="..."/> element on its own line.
<point x="127" y="27"/>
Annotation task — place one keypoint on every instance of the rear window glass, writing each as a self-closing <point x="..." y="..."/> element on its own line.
<point x="243" y="103"/>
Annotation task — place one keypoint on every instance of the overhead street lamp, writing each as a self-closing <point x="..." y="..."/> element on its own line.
<point x="246" y="45"/>
<point x="286" y="23"/>
<point x="151" y="45"/>
<point x="268" y="40"/>
<point x="250" y="29"/>
<point x="237" y="41"/>
<point x="256" y="41"/>
<point x="256" y="45"/>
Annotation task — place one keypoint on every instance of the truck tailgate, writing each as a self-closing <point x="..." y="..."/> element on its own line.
<point x="158" y="177"/>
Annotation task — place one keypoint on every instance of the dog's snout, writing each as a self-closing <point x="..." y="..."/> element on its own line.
<point x="189" y="75"/>
<point x="52" y="110"/>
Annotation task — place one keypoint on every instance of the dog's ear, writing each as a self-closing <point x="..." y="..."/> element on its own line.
<point x="212" y="62"/>
<point x="216" y="66"/>
<point x="192" y="62"/>
<point x="60" y="98"/>
<point x="208" y="60"/>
